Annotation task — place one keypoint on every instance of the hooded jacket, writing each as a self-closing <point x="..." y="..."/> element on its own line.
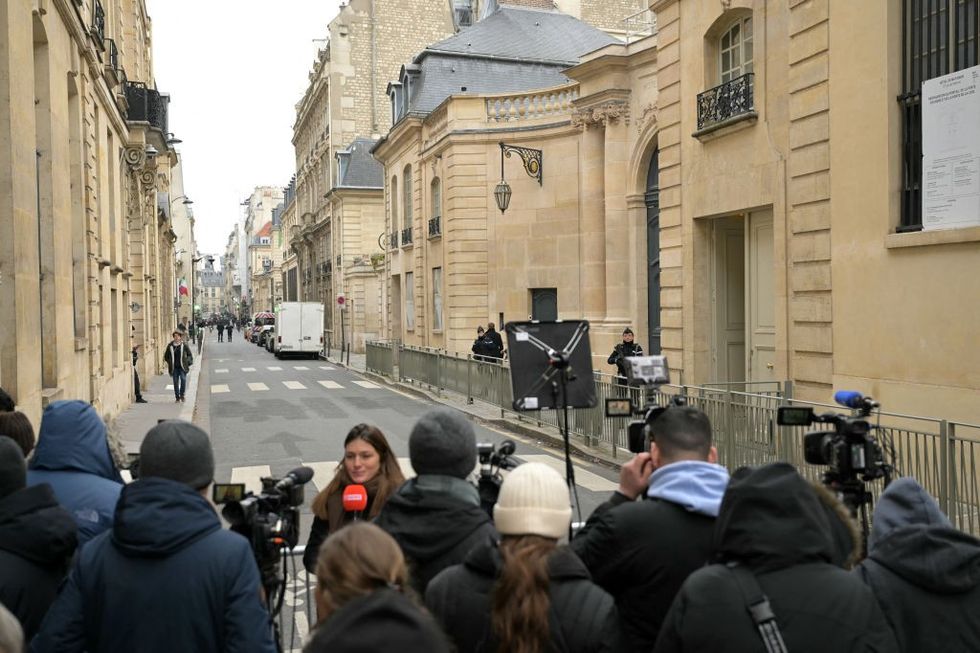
<point x="72" y="455"/>
<point x="772" y="522"/>
<point x="165" y="578"/>
<point x="384" y="620"/>
<point x="434" y="529"/>
<point x="582" y="617"/>
<point x="924" y="573"/>
<point x="37" y="541"/>
<point x="641" y="551"/>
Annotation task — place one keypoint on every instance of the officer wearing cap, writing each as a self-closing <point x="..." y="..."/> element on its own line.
<point x="622" y="351"/>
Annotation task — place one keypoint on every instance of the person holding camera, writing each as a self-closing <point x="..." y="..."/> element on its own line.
<point x="525" y="593"/>
<point x="166" y="577"/>
<point x="773" y="550"/>
<point x="642" y="551"/>
<point x="622" y="351"/>
<point x="436" y="517"/>
<point x="368" y="461"/>
<point x="364" y="600"/>
<point x="481" y="347"/>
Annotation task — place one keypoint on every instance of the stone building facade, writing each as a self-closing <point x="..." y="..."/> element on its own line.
<point x="86" y="252"/>
<point x="232" y="270"/>
<point x="687" y="177"/>
<point x="259" y="258"/>
<point x="209" y="291"/>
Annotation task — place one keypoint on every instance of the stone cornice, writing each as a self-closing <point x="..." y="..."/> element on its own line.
<point x="603" y="113"/>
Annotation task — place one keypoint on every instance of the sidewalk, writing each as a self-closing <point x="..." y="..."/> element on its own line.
<point x="491" y="415"/>
<point x="133" y="423"/>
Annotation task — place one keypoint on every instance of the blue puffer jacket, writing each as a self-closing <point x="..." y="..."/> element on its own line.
<point x="166" y="578"/>
<point x="72" y="455"/>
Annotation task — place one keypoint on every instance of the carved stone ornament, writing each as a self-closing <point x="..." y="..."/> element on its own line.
<point x="726" y="4"/>
<point x="147" y="177"/>
<point x="605" y="114"/>
<point x="134" y="156"/>
<point x="649" y="115"/>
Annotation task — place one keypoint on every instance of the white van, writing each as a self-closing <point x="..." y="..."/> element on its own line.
<point x="299" y="329"/>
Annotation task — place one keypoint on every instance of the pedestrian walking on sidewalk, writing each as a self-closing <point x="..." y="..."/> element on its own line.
<point x="200" y="340"/>
<point x="221" y="331"/>
<point x="230" y="331"/>
<point x="179" y="360"/>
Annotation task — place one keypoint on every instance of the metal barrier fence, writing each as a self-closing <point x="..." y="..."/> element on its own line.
<point x="944" y="456"/>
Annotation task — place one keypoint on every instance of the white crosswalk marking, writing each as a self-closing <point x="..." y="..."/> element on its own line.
<point x="257" y="387"/>
<point x="332" y="385"/>
<point x="274" y="369"/>
<point x="251" y="476"/>
<point x="324" y="471"/>
<point x="248" y="369"/>
<point x="301" y="367"/>
<point x="327" y="367"/>
<point x="221" y="371"/>
<point x="218" y="389"/>
<point x="294" y="385"/>
<point x="367" y="384"/>
<point x="586" y="479"/>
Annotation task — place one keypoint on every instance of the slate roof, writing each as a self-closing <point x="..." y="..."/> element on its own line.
<point x="526" y="34"/>
<point x="363" y="170"/>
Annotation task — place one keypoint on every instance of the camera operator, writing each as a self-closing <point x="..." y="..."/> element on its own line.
<point x="773" y="542"/>
<point x="436" y="517"/>
<point x="641" y="551"/>
<point x="624" y="350"/>
<point x="923" y="571"/>
<point x="166" y="577"/>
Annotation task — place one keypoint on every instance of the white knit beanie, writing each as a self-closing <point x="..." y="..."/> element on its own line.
<point x="533" y="501"/>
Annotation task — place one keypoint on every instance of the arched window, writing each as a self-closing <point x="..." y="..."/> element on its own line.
<point x="407" y="199"/>
<point x="735" y="50"/>
<point x="393" y="195"/>
<point x="436" y="198"/>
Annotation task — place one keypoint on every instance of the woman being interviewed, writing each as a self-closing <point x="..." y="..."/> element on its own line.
<point x="368" y="461"/>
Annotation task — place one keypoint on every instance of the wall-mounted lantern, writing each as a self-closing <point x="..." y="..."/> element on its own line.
<point x="533" y="164"/>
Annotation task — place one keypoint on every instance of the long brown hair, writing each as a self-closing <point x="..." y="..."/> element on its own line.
<point x="521" y="600"/>
<point x="389" y="477"/>
<point x="356" y="561"/>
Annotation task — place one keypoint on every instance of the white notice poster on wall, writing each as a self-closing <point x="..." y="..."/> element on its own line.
<point x="951" y="150"/>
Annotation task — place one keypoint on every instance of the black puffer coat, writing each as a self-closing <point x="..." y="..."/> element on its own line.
<point x="772" y="522"/>
<point x="924" y="572"/>
<point x="582" y="618"/>
<point x="37" y="541"/>
<point x="435" y="530"/>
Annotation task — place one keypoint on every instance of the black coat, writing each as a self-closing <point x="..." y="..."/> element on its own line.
<point x="621" y="351"/>
<point x="37" y="541"/>
<point x="924" y="573"/>
<point x="772" y="522"/>
<point x="165" y="578"/>
<point x="384" y="620"/>
<point x="495" y="346"/>
<point x="582" y="618"/>
<point x="434" y="530"/>
<point x="641" y="552"/>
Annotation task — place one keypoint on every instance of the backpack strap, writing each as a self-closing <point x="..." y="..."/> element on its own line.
<point x="758" y="607"/>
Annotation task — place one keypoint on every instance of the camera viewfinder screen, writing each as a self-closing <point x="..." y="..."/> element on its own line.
<point x="228" y="492"/>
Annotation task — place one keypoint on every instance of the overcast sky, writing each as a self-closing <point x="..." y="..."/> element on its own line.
<point x="234" y="71"/>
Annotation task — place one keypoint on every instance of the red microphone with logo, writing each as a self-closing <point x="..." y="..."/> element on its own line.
<point x="355" y="500"/>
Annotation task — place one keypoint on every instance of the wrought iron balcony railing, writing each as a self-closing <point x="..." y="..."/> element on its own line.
<point x="406" y="237"/>
<point x="146" y="105"/>
<point x="435" y="227"/>
<point x="726" y="101"/>
<point x="98" y="22"/>
<point x="112" y="59"/>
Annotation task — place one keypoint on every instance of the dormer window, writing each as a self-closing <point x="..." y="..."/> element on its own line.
<point x="397" y="107"/>
<point x="343" y="162"/>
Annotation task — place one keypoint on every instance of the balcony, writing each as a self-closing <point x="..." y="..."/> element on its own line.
<point x="146" y="105"/>
<point x="726" y="104"/>
<point x="435" y="227"/>
<point x="112" y="60"/>
<point x="406" y="237"/>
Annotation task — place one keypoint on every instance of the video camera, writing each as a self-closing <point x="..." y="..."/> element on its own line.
<point x="492" y="461"/>
<point x="650" y="372"/>
<point x="269" y="520"/>
<point x="849" y="451"/>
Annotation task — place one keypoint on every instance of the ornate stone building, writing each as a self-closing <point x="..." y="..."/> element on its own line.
<point x="86" y="247"/>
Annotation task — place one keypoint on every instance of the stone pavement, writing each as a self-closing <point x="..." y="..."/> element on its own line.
<point x="492" y="416"/>
<point x="132" y="424"/>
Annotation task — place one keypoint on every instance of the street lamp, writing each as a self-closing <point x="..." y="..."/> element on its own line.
<point x="533" y="164"/>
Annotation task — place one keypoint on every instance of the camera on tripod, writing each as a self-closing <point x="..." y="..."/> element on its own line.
<point x="651" y="372"/>
<point x="492" y="461"/>
<point x="850" y="450"/>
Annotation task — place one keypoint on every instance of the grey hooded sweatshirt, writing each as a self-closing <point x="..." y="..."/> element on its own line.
<point x="924" y="573"/>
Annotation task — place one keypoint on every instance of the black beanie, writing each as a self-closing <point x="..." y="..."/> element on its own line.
<point x="178" y="451"/>
<point x="443" y="442"/>
<point x="13" y="469"/>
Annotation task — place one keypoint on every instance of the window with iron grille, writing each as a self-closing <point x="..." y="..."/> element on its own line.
<point x="939" y="37"/>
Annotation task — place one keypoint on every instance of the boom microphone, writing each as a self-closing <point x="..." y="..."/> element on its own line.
<point x="355" y="499"/>
<point x="854" y="399"/>
<point x="298" y="476"/>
